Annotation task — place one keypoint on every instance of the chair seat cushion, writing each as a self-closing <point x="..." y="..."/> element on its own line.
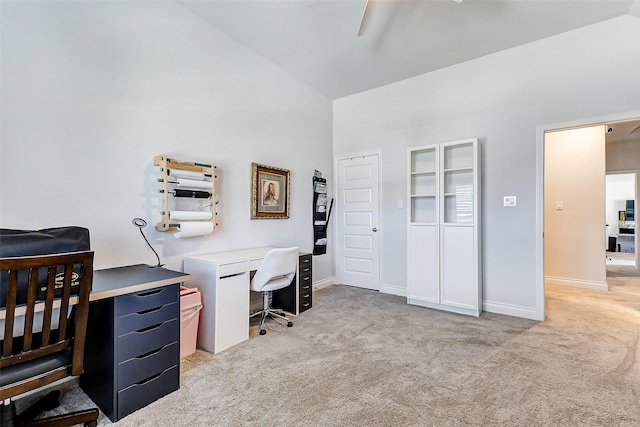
<point x="272" y="285"/>
<point x="32" y="368"/>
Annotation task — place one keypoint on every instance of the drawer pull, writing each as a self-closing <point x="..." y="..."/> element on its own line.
<point x="306" y="304"/>
<point x="233" y="275"/>
<point x="149" y="353"/>
<point x="149" y="310"/>
<point x="149" y="328"/>
<point x="305" y="296"/>
<point x="151" y="378"/>
<point x="152" y="292"/>
<point x="306" y="278"/>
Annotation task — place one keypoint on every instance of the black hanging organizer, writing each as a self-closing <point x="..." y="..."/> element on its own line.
<point x="320" y="215"/>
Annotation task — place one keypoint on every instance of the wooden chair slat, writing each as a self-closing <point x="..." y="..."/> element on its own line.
<point x="71" y="323"/>
<point x="12" y="283"/>
<point x="48" y="305"/>
<point x="29" y="315"/>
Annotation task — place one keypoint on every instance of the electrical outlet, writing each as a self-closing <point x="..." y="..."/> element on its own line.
<point x="509" y="201"/>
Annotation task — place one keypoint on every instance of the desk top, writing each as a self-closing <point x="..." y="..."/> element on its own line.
<point x="232" y="256"/>
<point x="112" y="282"/>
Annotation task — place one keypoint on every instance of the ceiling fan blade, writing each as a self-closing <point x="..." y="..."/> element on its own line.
<point x="366" y="15"/>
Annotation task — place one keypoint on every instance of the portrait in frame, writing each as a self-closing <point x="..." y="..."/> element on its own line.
<point x="270" y="192"/>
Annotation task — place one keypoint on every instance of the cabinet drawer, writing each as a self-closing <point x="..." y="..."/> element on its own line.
<point x="304" y="269"/>
<point x="145" y="300"/>
<point x="304" y="260"/>
<point x="144" y="319"/>
<point x="232" y="269"/>
<point x="143" y="341"/>
<point x="304" y="282"/>
<point x="305" y="289"/>
<point x="140" y="368"/>
<point x="139" y="395"/>
<point x="305" y="301"/>
<point x="305" y="297"/>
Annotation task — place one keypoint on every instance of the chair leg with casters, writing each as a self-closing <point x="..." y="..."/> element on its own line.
<point x="268" y="311"/>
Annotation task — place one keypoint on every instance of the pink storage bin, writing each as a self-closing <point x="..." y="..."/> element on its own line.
<point x="190" y="306"/>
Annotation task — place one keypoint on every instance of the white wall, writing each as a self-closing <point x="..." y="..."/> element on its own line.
<point x="574" y="213"/>
<point x="623" y="155"/>
<point x="502" y="99"/>
<point x="91" y="91"/>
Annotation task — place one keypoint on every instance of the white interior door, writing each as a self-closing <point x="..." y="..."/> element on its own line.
<point x="357" y="251"/>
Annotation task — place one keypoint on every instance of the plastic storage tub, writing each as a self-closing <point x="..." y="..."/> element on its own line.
<point x="190" y="306"/>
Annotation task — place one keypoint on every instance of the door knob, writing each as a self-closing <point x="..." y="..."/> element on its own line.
<point x="374" y="229"/>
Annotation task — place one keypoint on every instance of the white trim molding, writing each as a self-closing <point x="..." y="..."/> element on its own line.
<point x="324" y="283"/>
<point x="511" y="310"/>
<point x="576" y="283"/>
<point x="398" y="290"/>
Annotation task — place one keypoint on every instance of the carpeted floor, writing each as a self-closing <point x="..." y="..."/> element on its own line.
<point x="361" y="358"/>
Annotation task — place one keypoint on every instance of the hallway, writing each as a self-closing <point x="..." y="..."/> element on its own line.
<point x="623" y="279"/>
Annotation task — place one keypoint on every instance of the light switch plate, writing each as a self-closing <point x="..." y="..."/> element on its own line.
<point x="509" y="201"/>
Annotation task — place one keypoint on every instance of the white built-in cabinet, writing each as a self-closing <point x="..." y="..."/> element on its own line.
<point x="443" y="227"/>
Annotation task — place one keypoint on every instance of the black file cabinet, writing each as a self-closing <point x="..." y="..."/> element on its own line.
<point x="286" y="298"/>
<point x="305" y="283"/>
<point x="132" y="353"/>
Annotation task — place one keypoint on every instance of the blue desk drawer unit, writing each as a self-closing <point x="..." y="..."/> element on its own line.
<point x="139" y="333"/>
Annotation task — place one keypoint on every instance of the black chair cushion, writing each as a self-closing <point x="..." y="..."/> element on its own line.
<point x="20" y="243"/>
<point x="22" y="371"/>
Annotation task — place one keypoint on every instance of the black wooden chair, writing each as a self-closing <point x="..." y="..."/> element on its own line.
<point x="44" y="305"/>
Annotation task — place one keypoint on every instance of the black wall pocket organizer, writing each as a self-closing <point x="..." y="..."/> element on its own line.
<point x="320" y="215"/>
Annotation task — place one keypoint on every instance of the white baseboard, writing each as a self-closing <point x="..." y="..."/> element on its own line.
<point x="324" y="283"/>
<point x="511" y="310"/>
<point x="400" y="291"/>
<point x="586" y="284"/>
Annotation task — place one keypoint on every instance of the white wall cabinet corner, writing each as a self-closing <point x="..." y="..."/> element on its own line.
<point x="443" y="227"/>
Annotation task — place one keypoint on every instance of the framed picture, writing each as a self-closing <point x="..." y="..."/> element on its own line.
<point x="270" y="192"/>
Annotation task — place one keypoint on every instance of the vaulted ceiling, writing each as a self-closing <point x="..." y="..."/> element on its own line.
<point x="317" y="40"/>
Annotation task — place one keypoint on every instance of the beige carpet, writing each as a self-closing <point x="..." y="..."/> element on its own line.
<point x="361" y="358"/>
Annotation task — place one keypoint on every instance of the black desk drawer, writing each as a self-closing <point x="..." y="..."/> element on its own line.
<point x="304" y="284"/>
<point x="304" y="260"/>
<point x="144" y="319"/>
<point x="140" y="368"/>
<point x="139" y="395"/>
<point x="305" y="300"/>
<point x="306" y="269"/>
<point x="140" y="342"/>
<point x="146" y="300"/>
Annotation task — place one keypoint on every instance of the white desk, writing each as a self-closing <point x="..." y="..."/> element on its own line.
<point x="223" y="279"/>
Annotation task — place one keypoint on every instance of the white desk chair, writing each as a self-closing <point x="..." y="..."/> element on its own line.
<point x="277" y="270"/>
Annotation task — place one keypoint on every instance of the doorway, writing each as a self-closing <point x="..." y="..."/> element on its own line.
<point x="574" y="217"/>
<point x="357" y="236"/>
<point x="630" y="120"/>
<point x="620" y="213"/>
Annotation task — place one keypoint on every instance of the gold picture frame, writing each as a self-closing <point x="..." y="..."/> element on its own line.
<point x="270" y="192"/>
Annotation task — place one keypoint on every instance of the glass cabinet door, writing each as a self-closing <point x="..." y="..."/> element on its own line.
<point x="422" y="185"/>
<point x="458" y="191"/>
